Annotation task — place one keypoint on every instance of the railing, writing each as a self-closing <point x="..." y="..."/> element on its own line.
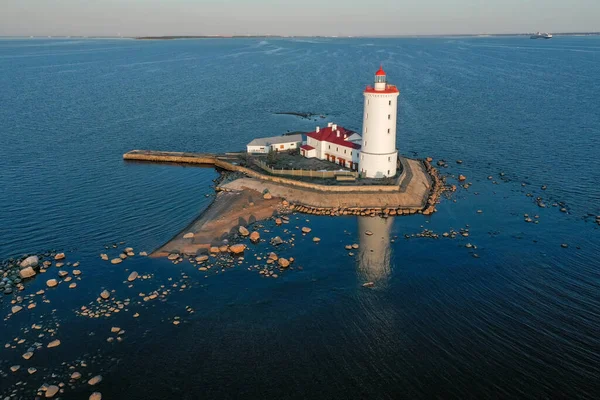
<point x="307" y="173"/>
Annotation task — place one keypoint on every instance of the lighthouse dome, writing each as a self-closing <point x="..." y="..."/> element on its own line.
<point x="380" y="72"/>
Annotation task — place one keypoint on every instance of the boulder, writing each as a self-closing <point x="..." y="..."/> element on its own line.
<point x="51" y="391"/>
<point x="237" y="248"/>
<point x="189" y="235"/>
<point x="316" y="239"/>
<point x="104" y="256"/>
<point x="462" y="178"/>
<point x="54" y="343"/>
<point x="214" y="249"/>
<point x="283" y="263"/>
<point x="105" y="294"/>
<point x="51" y="282"/>
<point x="27" y="272"/>
<point x="243" y="231"/>
<point x="173" y="256"/>
<point x="76" y="375"/>
<point x="276" y="241"/>
<point x="254" y="237"/>
<point x="30" y="262"/>
<point x="306" y="229"/>
<point x="59" y="256"/>
<point x="16" y="309"/>
<point x="116" y="261"/>
<point x="96" y="396"/>
<point x="95" y="380"/>
<point x="202" y="258"/>
<point x="132" y="276"/>
<point x="267" y="196"/>
<point x="273" y="256"/>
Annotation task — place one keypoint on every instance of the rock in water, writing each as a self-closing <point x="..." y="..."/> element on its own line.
<point x="15" y="368"/>
<point x="132" y="277"/>
<point x="75" y="375"/>
<point x="28" y="355"/>
<point x="105" y="294"/>
<point x="243" y="231"/>
<point x="27" y="272"/>
<point x="59" y="256"/>
<point x="16" y="309"/>
<point x="31" y="261"/>
<point x="96" y="396"/>
<point x="202" y="258"/>
<point x="368" y="233"/>
<point x="189" y="235"/>
<point x="237" y="248"/>
<point x="254" y="237"/>
<point x="276" y="241"/>
<point x="462" y="178"/>
<point x="51" y="391"/>
<point x="95" y="380"/>
<point x="368" y="284"/>
<point x="54" y="343"/>
<point x="116" y="261"/>
<point x="283" y="263"/>
<point x="316" y="239"/>
<point x="51" y="282"/>
<point x="306" y="229"/>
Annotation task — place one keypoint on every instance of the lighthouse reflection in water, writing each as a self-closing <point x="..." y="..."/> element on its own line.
<point x="374" y="258"/>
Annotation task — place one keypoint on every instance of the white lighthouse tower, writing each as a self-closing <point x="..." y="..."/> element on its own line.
<point x="378" y="154"/>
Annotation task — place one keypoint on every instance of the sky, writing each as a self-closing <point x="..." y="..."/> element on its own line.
<point x="294" y="17"/>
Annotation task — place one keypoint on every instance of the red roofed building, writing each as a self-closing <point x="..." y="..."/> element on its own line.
<point x="333" y="143"/>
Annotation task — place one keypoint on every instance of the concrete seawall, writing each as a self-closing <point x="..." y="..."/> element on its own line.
<point x="418" y="187"/>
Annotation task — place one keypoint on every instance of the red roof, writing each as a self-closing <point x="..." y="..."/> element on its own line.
<point x="307" y="147"/>
<point x="388" y="89"/>
<point x="331" y="136"/>
<point x="380" y="72"/>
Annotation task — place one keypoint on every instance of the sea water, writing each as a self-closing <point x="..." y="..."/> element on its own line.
<point x="505" y="312"/>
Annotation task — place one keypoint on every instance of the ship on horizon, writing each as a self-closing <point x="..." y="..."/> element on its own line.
<point x="540" y="35"/>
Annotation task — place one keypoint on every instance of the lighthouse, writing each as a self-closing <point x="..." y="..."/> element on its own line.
<point x="378" y="153"/>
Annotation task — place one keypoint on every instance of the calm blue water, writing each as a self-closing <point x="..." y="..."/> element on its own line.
<point x="522" y="320"/>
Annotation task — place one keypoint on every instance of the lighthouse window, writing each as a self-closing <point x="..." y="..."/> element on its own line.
<point x="389" y="116"/>
<point x="389" y="159"/>
<point x="388" y="130"/>
<point x="390" y="102"/>
<point x="329" y="147"/>
<point x="344" y="151"/>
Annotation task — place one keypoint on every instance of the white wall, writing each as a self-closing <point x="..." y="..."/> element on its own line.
<point x="257" y="149"/>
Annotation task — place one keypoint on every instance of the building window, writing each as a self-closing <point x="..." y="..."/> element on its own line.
<point x="351" y="153"/>
<point x="337" y="149"/>
<point x="389" y="160"/>
<point x="344" y="151"/>
<point x="388" y="130"/>
<point x="365" y="143"/>
<point x="390" y="102"/>
<point x="388" y="171"/>
<point x="329" y="146"/>
<point x="389" y="116"/>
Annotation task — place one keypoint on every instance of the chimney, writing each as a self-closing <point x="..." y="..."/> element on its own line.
<point x="318" y="129"/>
<point x="338" y="134"/>
<point x="334" y="127"/>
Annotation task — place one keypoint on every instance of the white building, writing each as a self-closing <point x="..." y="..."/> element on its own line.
<point x="279" y="143"/>
<point x="333" y="143"/>
<point x="374" y="153"/>
<point x="378" y="154"/>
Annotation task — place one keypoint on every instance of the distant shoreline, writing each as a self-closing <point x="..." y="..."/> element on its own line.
<point x="175" y="37"/>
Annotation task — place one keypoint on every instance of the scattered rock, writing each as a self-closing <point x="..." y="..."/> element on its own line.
<point x="462" y="178"/>
<point x="116" y="261"/>
<point x="267" y="196"/>
<point x="173" y="256"/>
<point x="214" y="250"/>
<point x="16" y="309"/>
<point x="368" y="284"/>
<point x="76" y="272"/>
<point x="75" y="375"/>
<point x="51" y="391"/>
<point x="28" y="355"/>
<point x="283" y="263"/>
<point x="143" y="254"/>
<point x="95" y="380"/>
<point x="15" y="368"/>
<point x="189" y="235"/>
<point x="54" y="343"/>
<point x="368" y="233"/>
<point x="72" y="285"/>
<point x="276" y="241"/>
<point x="564" y="245"/>
<point x="51" y="283"/>
<point x="59" y="256"/>
<point x="30" y="262"/>
<point x="306" y="229"/>
<point x="316" y="239"/>
<point x="254" y="237"/>
<point x="202" y="258"/>
<point x="132" y="276"/>
<point x="105" y="294"/>
<point x="104" y="257"/>
<point x="96" y="396"/>
<point x="31" y="370"/>
<point x="243" y="231"/>
<point x="237" y="248"/>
